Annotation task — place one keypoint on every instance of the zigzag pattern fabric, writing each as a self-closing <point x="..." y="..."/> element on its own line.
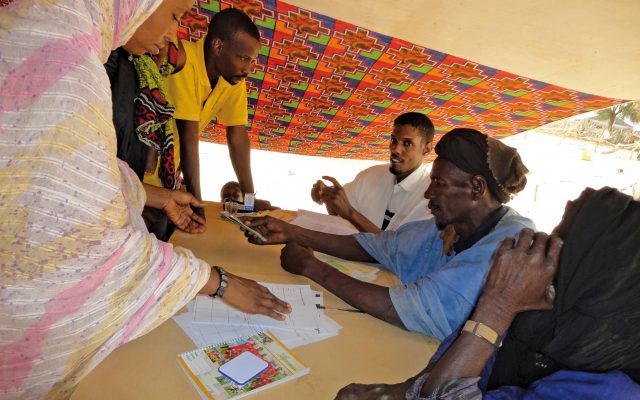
<point x="324" y="87"/>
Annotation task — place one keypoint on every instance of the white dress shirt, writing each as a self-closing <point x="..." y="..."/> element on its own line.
<point x="375" y="190"/>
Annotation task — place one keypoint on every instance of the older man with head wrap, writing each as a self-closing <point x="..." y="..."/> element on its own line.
<point x="578" y="341"/>
<point x="471" y="179"/>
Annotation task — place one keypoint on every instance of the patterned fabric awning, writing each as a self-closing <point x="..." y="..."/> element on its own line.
<point x="324" y="87"/>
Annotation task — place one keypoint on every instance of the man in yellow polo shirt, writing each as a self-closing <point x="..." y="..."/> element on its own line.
<point x="212" y="85"/>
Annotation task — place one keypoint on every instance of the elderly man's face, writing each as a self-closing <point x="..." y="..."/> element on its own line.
<point x="449" y="194"/>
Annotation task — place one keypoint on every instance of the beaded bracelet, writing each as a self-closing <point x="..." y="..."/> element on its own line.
<point x="224" y="283"/>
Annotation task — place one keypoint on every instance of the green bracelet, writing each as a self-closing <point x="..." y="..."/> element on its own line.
<point x="224" y="282"/>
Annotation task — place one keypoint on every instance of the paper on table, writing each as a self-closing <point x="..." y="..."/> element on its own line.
<point x="304" y="313"/>
<point x="284" y="215"/>
<point x="323" y="223"/>
<point x="328" y="328"/>
<point x="205" y="334"/>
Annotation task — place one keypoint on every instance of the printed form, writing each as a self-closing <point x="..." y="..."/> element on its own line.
<point x="305" y="315"/>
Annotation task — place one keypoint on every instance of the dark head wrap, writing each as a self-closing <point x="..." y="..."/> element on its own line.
<point x="477" y="154"/>
<point x="595" y="322"/>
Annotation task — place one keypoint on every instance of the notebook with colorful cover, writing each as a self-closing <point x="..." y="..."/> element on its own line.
<point x="201" y="366"/>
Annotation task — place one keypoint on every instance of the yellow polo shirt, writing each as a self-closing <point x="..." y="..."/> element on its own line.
<point x="189" y="90"/>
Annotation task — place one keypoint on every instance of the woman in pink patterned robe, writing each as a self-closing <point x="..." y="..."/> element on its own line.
<point x="80" y="274"/>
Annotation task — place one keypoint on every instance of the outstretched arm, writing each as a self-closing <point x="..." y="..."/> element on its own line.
<point x="177" y="206"/>
<point x="247" y="295"/>
<point x="370" y="298"/>
<point x="277" y="232"/>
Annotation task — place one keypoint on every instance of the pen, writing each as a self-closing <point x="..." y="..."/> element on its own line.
<point x="340" y="309"/>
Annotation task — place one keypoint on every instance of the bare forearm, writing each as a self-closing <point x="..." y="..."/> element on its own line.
<point x="469" y="354"/>
<point x="370" y="298"/>
<point x="240" y="155"/>
<point x="519" y="280"/>
<point x="212" y="284"/>
<point x="362" y="223"/>
<point x="343" y="246"/>
<point x="190" y="155"/>
<point x="156" y="196"/>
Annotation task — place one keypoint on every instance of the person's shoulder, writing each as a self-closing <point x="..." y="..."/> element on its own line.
<point x="378" y="168"/>
<point x="423" y="226"/>
<point x="375" y="170"/>
<point x="190" y="46"/>
<point x="414" y="233"/>
<point x="240" y="87"/>
<point x="513" y="220"/>
<point x="112" y="61"/>
<point x="117" y="58"/>
<point x="508" y="226"/>
<point x="374" y="177"/>
<point x="193" y="51"/>
<point x="191" y="69"/>
<point x="425" y="172"/>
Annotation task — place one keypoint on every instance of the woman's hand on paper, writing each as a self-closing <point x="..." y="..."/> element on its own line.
<point x="252" y="298"/>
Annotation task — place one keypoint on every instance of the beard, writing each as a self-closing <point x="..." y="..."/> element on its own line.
<point x="393" y="170"/>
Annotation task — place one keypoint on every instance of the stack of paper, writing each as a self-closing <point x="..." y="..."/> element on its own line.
<point x="324" y="223"/>
<point x="209" y="320"/>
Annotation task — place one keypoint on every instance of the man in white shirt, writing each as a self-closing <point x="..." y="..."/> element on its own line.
<point x="385" y="197"/>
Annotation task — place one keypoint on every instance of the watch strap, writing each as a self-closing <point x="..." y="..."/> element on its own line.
<point x="483" y="331"/>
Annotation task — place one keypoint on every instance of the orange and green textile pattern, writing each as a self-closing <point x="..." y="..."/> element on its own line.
<point x="324" y="87"/>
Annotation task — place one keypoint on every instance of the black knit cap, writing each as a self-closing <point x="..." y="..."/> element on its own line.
<point x="478" y="154"/>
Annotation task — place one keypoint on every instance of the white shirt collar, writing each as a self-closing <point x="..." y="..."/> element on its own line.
<point x="410" y="182"/>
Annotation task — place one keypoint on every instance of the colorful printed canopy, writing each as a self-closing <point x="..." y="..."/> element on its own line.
<point x="324" y="87"/>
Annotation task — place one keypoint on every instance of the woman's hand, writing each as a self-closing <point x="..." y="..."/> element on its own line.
<point x="179" y="209"/>
<point x="250" y="297"/>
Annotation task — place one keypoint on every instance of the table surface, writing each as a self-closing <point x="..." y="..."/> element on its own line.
<point x="366" y="350"/>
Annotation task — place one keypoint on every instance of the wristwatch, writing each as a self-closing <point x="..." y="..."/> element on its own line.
<point x="224" y="282"/>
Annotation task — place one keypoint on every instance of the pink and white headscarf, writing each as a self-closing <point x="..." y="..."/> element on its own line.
<point x="79" y="273"/>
